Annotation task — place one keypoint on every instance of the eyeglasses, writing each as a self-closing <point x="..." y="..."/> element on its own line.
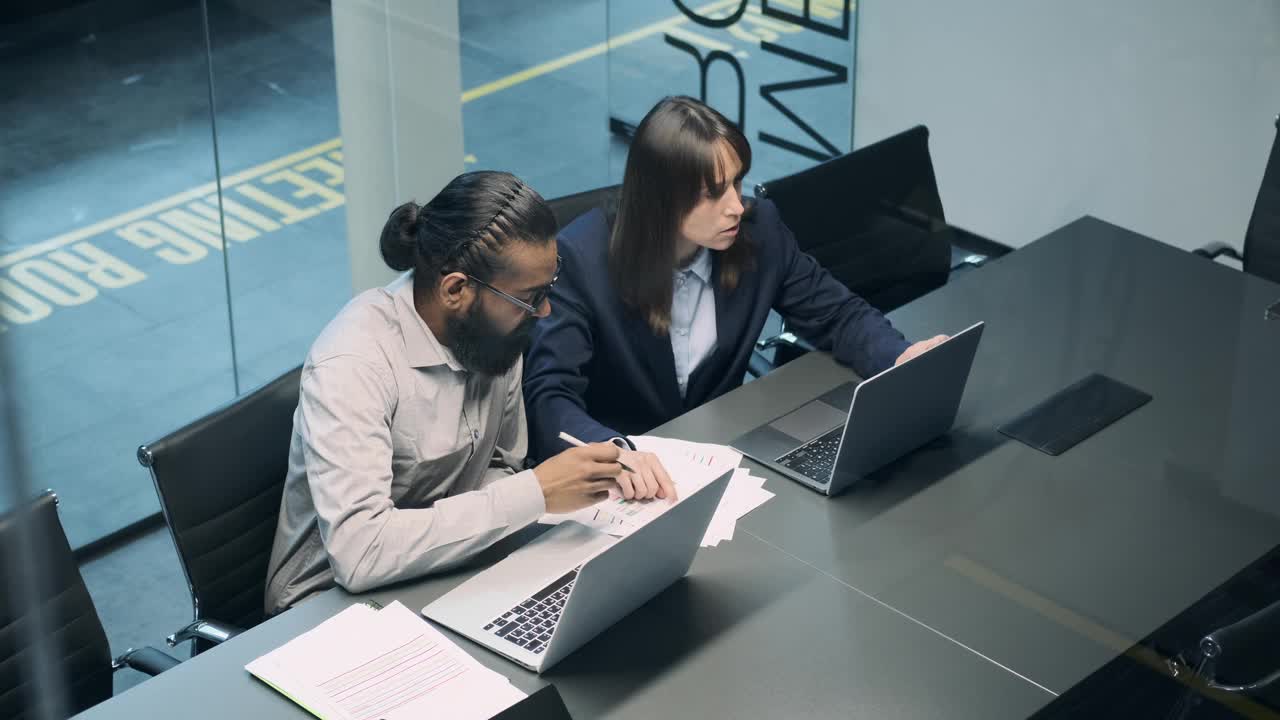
<point x="536" y="298"/>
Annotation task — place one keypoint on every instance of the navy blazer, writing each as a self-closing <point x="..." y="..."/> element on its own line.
<point x="596" y="370"/>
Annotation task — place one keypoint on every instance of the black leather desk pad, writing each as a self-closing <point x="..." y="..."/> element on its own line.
<point x="1075" y="413"/>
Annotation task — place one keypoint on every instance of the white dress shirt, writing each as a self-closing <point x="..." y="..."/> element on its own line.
<point x="402" y="462"/>
<point x="693" y="317"/>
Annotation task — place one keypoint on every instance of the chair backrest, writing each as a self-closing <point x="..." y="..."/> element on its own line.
<point x="1262" y="239"/>
<point x="569" y="207"/>
<point x="79" y="655"/>
<point x="873" y="218"/>
<point x="220" y="481"/>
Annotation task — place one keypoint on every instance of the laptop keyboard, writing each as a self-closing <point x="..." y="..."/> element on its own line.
<point x="815" y="459"/>
<point x="530" y="623"/>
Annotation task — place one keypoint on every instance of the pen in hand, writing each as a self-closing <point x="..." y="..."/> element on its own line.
<point x="578" y="443"/>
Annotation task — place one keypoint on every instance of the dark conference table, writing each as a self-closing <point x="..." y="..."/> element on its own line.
<point x="975" y="577"/>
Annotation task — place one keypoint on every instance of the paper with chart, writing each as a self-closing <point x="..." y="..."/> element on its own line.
<point x="691" y="466"/>
<point x="716" y="458"/>
<point x="388" y="664"/>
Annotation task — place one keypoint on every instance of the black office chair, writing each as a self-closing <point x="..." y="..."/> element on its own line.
<point x="77" y="648"/>
<point x="874" y="219"/>
<point x="1261" y="254"/>
<point x="569" y="207"/>
<point x="220" y="481"/>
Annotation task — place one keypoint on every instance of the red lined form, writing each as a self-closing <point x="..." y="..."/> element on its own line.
<point x="367" y="664"/>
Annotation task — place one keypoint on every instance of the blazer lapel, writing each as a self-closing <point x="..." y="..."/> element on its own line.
<point x="728" y="330"/>
<point x="657" y="356"/>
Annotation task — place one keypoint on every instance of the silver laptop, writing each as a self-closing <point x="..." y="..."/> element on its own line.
<point x="551" y="596"/>
<point x="830" y="443"/>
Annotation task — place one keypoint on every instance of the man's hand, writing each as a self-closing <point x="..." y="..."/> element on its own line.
<point x="920" y="347"/>
<point x="650" y="479"/>
<point x="579" y="477"/>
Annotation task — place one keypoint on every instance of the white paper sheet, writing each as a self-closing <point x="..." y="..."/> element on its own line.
<point x="389" y="664"/>
<point x="691" y="466"/>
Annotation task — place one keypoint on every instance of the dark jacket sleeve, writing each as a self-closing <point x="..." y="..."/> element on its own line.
<point x="555" y="380"/>
<point x="823" y="311"/>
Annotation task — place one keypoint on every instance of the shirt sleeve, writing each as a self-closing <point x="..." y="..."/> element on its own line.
<point x="556" y="380"/>
<point x="823" y="311"/>
<point x="345" y="409"/>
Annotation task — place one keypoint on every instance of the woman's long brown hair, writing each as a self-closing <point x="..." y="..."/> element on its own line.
<point x="675" y="157"/>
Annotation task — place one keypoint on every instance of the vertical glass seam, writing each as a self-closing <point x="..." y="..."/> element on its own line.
<point x="217" y="174"/>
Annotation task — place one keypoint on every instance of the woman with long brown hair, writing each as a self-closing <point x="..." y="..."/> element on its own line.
<point x="658" y="311"/>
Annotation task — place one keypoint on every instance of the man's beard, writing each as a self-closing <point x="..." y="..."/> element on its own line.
<point x="483" y="349"/>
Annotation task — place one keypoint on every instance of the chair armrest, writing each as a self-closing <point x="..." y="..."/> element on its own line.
<point x="1245" y="655"/>
<point x="1217" y="249"/>
<point x="772" y="340"/>
<point x="787" y="339"/>
<point x="210" y="630"/>
<point x="788" y="347"/>
<point x="758" y="365"/>
<point x="962" y="259"/>
<point x="148" y="660"/>
<point x="974" y="244"/>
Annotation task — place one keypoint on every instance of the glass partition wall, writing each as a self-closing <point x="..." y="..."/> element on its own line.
<point x="193" y="188"/>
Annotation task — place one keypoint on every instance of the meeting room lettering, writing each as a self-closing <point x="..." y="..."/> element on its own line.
<point x="184" y="235"/>
<point x="721" y="22"/>
<point x="181" y="231"/>
<point x="835" y="75"/>
<point x="97" y="265"/>
<point x="704" y="65"/>
<point x="200" y="221"/>
<point x="69" y="276"/>
<point x="17" y="305"/>
<point x="812" y="71"/>
<point x="805" y="17"/>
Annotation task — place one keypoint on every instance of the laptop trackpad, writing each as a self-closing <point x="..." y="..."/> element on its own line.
<point x="810" y="421"/>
